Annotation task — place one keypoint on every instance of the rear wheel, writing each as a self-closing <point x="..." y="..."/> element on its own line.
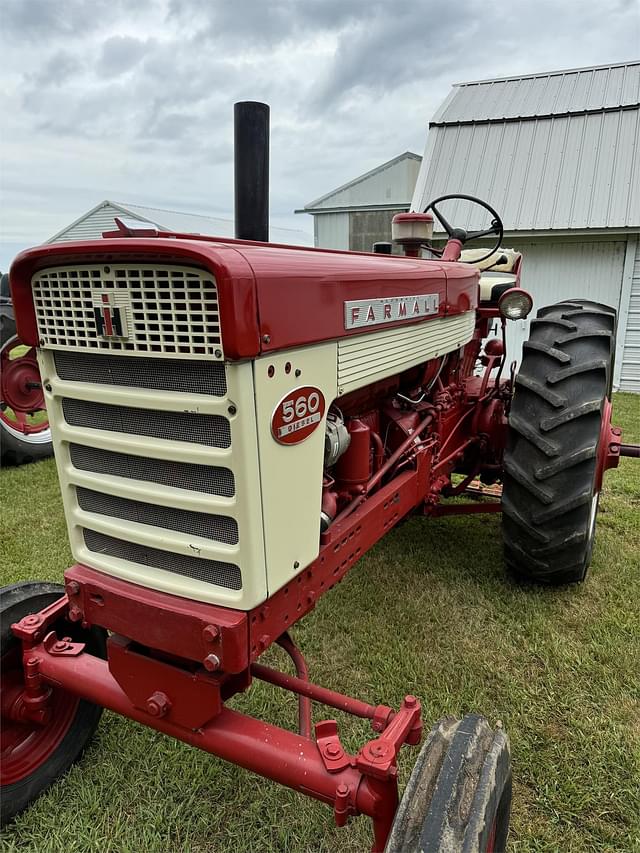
<point x="25" y="434"/>
<point x="33" y="756"/>
<point x="557" y="432"/>
<point x="459" y="795"/>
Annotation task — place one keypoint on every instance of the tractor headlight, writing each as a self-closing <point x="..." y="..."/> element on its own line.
<point x="515" y="304"/>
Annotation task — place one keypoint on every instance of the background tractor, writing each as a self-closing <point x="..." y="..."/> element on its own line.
<point x="235" y="423"/>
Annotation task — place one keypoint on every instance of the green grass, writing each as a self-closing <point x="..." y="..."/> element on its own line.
<point x="428" y="611"/>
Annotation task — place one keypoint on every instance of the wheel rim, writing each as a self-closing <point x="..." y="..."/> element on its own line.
<point x="25" y="746"/>
<point x="492" y="836"/>
<point x="22" y="408"/>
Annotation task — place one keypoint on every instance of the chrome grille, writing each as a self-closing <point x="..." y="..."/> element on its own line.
<point x="211" y="480"/>
<point x="192" y="377"/>
<point x="211" y="430"/>
<point x="211" y="571"/>
<point x="220" y="528"/>
<point x="168" y="310"/>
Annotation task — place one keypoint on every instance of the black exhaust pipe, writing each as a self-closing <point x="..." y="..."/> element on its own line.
<point x="251" y="167"/>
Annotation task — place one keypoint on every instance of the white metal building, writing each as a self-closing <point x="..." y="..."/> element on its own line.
<point x="100" y="218"/>
<point x="359" y="213"/>
<point x="558" y="156"/>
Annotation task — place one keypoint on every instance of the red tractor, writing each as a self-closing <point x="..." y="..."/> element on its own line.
<point x="235" y="424"/>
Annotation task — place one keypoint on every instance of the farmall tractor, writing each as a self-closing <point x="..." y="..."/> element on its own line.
<point x="235" y="424"/>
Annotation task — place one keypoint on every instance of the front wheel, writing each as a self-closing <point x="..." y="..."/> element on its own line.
<point x="459" y="794"/>
<point x="33" y="756"/>
<point x="558" y="424"/>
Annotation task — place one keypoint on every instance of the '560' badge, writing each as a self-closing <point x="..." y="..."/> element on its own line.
<point x="297" y="415"/>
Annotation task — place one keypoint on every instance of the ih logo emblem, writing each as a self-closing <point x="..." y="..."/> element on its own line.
<point x="110" y="311"/>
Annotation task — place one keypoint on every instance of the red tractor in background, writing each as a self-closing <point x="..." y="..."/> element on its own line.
<point x="235" y="423"/>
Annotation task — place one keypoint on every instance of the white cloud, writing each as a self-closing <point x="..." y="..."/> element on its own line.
<point x="134" y="101"/>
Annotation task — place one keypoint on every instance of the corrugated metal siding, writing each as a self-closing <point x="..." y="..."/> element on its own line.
<point x="630" y="374"/>
<point x="556" y="93"/>
<point x="331" y="230"/>
<point x="553" y="271"/>
<point x="562" y="173"/>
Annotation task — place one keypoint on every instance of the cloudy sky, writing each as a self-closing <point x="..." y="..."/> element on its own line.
<point x="132" y="100"/>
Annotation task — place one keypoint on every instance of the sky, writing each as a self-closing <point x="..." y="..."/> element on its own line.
<point x="132" y="100"/>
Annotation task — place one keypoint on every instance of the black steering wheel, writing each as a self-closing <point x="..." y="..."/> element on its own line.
<point x="465" y="236"/>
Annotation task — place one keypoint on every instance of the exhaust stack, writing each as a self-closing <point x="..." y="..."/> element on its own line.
<point x="251" y="170"/>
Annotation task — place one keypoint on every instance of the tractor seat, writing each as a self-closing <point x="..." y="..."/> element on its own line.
<point x="502" y="260"/>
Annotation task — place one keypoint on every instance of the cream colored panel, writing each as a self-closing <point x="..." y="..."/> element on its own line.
<point x="291" y="475"/>
<point x="363" y="359"/>
<point x="241" y="458"/>
<point x="489" y="281"/>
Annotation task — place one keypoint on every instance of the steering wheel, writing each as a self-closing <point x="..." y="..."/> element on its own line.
<point x="465" y="236"/>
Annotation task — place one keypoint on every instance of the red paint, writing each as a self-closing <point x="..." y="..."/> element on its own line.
<point x="298" y="415"/>
<point x="263" y="286"/>
<point x="27" y="745"/>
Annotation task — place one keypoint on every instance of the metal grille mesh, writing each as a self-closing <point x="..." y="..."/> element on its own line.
<point x="168" y="310"/>
<point x="220" y="528"/>
<point x="210" y="571"/>
<point x="212" y="430"/>
<point x="211" y="480"/>
<point x="194" y="377"/>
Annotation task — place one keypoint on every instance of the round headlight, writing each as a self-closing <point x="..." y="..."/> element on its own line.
<point x="515" y="304"/>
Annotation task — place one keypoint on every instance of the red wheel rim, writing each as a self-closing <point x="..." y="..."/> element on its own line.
<point x="23" y="406"/>
<point x="26" y="746"/>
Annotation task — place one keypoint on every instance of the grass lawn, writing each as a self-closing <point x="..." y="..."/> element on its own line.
<point x="428" y="611"/>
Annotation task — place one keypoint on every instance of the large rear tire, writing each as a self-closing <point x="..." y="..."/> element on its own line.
<point x="552" y="469"/>
<point x="459" y="795"/>
<point x="33" y="756"/>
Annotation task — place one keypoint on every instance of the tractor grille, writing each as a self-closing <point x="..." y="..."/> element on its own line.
<point x="212" y="430"/>
<point x="163" y="310"/>
<point x="160" y="374"/>
<point x="211" y="571"/>
<point x="211" y="480"/>
<point x="220" y="528"/>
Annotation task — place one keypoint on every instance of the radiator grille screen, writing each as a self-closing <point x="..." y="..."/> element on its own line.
<point x="181" y="475"/>
<point x="194" y="377"/>
<point x="168" y="310"/>
<point x="210" y="571"/>
<point x="212" y="430"/>
<point x="220" y="528"/>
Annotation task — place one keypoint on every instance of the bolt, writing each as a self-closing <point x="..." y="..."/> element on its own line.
<point x="73" y="588"/>
<point x="48" y="387"/>
<point x="75" y="614"/>
<point x="60" y="646"/>
<point x="31" y="620"/>
<point x="332" y="750"/>
<point x="218" y="353"/>
<point x="33" y="661"/>
<point x="410" y="701"/>
<point x="158" y="704"/>
<point x="211" y="633"/>
<point x="232" y="410"/>
<point x="342" y="790"/>
<point x="298" y="372"/>
<point x="211" y="663"/>
<point x="296" y="565"/>
<point x="266" y="339"/>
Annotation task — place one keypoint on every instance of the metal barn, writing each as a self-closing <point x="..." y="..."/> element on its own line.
<point x="100" y="218"/>
<point x="558" y="156"/>
<point x="359" y="213"/>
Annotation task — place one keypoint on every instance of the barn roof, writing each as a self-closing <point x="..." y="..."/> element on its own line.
<point x="388" y="185"/>
<point x="553" y="151"/>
